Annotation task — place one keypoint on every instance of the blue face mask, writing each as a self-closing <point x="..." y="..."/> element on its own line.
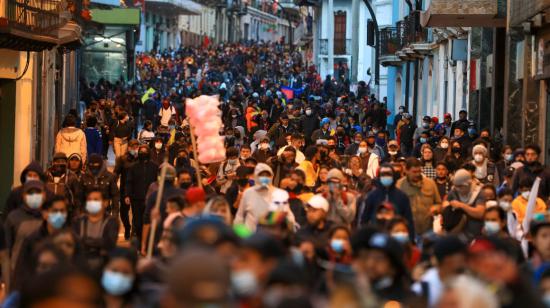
<point x="423" y="140"/>
<point x="471" y="131"/>
<point x="93" y="206"/>
<point x="386" y="181"/>
<point x="337" y="245"/>
<point x="116" y="283"/>
<point x="491" y="227"/>
<point x="264" y="180"/>
<point x="251" y="182"/>
<point x="401" y="237"/>
<point x="57" y="219"/>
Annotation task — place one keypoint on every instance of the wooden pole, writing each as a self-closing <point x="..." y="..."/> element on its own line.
<point x="156" y="209"/>
<point x="196" y="155"/>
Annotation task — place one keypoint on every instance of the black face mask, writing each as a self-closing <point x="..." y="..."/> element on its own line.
<point x="59" y="170"/>
<point x="143" y="156"/>
<point x="95" y="170"/>
<point x="185" y="185"/>
<point x="457" y="150"/>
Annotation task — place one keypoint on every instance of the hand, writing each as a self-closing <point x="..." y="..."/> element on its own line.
<point x="127" y="200"/>
<point x="155" y="214"/>
<point x="456" y="204"/>
<point x="143" y="251"/>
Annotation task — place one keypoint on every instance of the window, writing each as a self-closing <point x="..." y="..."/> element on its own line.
<point x="340" y="33"/>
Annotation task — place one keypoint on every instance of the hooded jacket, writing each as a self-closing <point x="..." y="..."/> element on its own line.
<point x="94" y="141"/>
<point x="255" y="201"/>
<point x="104" y="181"/>
<point x="70" y="140"/>
<point x="15" y="198"/>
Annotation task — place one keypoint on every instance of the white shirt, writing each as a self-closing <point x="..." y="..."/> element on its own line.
<point x="166" y="114"/>
<point x="435" y="286"/>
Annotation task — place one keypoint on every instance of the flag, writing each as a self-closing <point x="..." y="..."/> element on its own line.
<point x="531" y="202"/>
<point x="148" y="93"/>
<point x="205" y="42"/>
<point x="288" y="92"/>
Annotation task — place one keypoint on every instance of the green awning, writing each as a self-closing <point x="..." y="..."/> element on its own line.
<point x="116" y="16"/>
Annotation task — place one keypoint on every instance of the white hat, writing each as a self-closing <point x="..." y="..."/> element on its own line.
<point x="318" y="202"/>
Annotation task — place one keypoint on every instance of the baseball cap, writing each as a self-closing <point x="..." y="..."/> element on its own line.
<point x="195" y="194"/>
<point x="335" y="174"/>
<point x="393" y="142"/>
<point x="318" y="202"/>
<point x="447" y="116"/>
<point x="33" y="184"/>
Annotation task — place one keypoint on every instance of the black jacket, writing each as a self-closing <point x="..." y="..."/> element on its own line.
<point x="104" y="181"/>
<point x="140" y="175"/>
<point x="309" y="125"/>
<point x="122" y="166"/>
<point x="533" y="171"/>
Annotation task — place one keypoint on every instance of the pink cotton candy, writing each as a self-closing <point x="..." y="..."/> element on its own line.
<point x="205" y="117"/>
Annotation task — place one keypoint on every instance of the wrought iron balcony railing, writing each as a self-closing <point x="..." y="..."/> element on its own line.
<point x="341" y="47"/>
<point x="390" y="41"/>
<point x="36" y="16"/>
<point x="407" y="31"/>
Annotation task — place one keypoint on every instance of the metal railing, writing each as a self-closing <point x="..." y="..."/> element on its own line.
<point x="341" y="47"/>
<point x="407" y="31"/>
<point x="390" y="41"/>
<point x="37" y="16"/>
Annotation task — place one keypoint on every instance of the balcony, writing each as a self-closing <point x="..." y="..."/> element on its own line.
<point x="526" y="9"/>
<point x="467" y="13"/>
<point x="174" y="7"/>
<point x="341" y="47"/>
<point x="390" y="44"/>
<point x="302" y="35"/>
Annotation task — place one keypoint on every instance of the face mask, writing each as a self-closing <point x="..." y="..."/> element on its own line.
<point x="116" y="283"/>
<point x="133" y="152"/>
<point x="425" y="125"/>
<point x="264" y="181"/>
<point x="357" y="141"/>
<point x="158" y="146"/>
<point x="95" y="170"/>
<point x="337" y="245"/>
<point x="333" y="186"/>
<point x="444" y="145"/>
<point x="244" y="282"/>
<point x="457" y="150"/>
<point x="93" y="206"/>
<point x="505" y="205"/>
<point x="423" y="140"/>
<point x="471" y="131"/>
<point x="392" y="153"/>
<point x="386" y="181"/>
<point x="491" y="227"/>
<point x="401" y="237"/>
<point x="185" y="185"/>
<point x="526" y="194"/>
<point x="264" y="146"/>
<point x="59" y="170"/>
<point x="34" y="201"/>
<point x="28" y="179"/>
<point x="232" y="161"/>
<point x="308" y="112"/>
<point x="57" y="219"/>
<point x="478" y="158"/>
<point x="143" y="156"/>
<point x="362" y="150"/>
<point x="508" y="157"/>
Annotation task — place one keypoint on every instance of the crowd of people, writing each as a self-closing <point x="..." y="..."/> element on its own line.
<point x="319" y="202"/>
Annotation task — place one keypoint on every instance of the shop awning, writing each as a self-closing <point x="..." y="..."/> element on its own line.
<point x="129" y="17"/>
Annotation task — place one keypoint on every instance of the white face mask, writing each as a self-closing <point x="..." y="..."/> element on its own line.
<point x="264" y="146"/>
<point x="244" y="282"/>
<point x="505" y="205"/>
<point x="34" y="201"/>
<point x="158" y="146"/>
<point x="362" y="150"/>
<point x="308" y="112"/>
<point x="93" y="206"/>
<point x="525" y="194"/>
<point x="444" y="145"/>
<point x="392" y="153"/>
<point x="478" y="158"/>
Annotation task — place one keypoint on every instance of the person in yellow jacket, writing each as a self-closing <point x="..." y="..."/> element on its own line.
<point x="310" y="166"/>
<point x="519" y="204"/>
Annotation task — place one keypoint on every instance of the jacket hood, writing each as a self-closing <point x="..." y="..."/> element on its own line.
<point x="33" y="166"/>
<point x="71" y="134"/>
<point x="261" y="167"/>
<point x="76" y="155"/>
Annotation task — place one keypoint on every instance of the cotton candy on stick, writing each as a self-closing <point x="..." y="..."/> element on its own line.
<point x="205" y="117"/>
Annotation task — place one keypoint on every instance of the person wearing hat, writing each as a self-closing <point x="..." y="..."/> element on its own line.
<point x="75" y="165"/>
<point x="342" y="203"/>
<point x="405" y="135"/>
<point x="26" y="219"/>
<point x="461" y="123"/>
<point x="317" y="226"/>
<point x="467" y="197"/>
<point x="460" y="136"/>
<point x="444" y="128"/>
<point x="422" y="193"/>
<point x="169" y="191"/>
<point x="123" y="164"/>
<point x="97" y="177"/>
<point x="486" y="170"/>
<point x="309" y="123"/>
<point x="323" y="133"/>
<point x="379" y="259"/>
<point x="71" y="139"/>
<point x="263" y="151"/>
<point x="425" y="127"/>
<point x="372" y="147"/>
<point x="392" y="153"/>
<point x="255" y="201"/>
<point x="450" y="255"/>
<point x="63" y="182"/>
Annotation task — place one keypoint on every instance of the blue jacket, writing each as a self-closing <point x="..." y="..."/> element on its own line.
<point x="399" y="200"/>
<point x="94" y="141"/>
